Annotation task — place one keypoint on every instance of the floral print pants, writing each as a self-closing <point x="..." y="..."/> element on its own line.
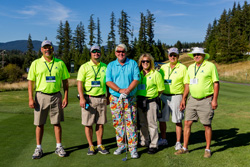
<point x="124" y="111"/>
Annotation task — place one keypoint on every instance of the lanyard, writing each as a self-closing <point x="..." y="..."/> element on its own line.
<point x="97" y="71"/>
<point x="169" y="72"/>
<point x="48" y="66"/>
<point x="195" y="72"/>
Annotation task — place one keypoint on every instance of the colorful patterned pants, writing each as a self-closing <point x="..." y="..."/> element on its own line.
<point x="125" y="109"/>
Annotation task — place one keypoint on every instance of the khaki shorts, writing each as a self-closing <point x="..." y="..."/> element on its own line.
<point x="172" y="105"/>
<point x="199" y="109"/>
<point x="45" y="104"/>
<point x="96" y="112"/>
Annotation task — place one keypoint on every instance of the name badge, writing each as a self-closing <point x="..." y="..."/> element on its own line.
<point x="168" y="81"/>
<point x="95" y="83"/>
<point x="141" y="87"/>
<point x="193" y="81"/>
<point x="50" y="79"/>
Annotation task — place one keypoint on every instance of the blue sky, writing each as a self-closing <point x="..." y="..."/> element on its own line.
<point x="184" y="20"/>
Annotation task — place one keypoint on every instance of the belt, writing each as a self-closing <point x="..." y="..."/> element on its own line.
<point x="47" y="93"/>
<point x="205" y="97"/>
<point x="170" y="94"/>
<point x="100" y="96"/>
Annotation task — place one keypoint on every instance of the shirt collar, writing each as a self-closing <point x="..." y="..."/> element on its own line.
<point x="93" y="64"/>
<point x="43" y="59"/>
<point x="176" y="66"/>
<point x="126" y="62"/>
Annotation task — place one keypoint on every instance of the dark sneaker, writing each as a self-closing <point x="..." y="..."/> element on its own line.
<point x="91" y="150"/>
<point x="181" y="151"/>
<point x="60" y="151"/>
<point x="101" y="149"/>
<point x="162" y="142"/>
<point x="152" y="150"/>
<point x="37" y="154"/>
<point x="134" y="155"/>
<point x="207" y="154"/>
<point x="119" y="150"/>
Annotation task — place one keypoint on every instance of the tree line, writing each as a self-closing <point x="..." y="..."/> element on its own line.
<point x="228" y="38"/>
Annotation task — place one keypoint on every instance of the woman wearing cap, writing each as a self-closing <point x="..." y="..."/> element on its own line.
<point x="149" y="89"/>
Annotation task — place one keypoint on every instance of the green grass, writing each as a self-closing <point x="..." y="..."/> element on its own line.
<point x="230" y="144"/>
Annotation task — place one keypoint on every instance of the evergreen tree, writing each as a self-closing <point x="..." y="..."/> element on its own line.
<point x="60" y="37"/>
<point x="111" y="35"/>
<point x="92" y="28"/>
<point x="150" y="27"/>
<point x="178" y="45"/>
<point x="66" y="46"/>
<point x="124" y="28"/>
<point x="99" y="38"/>
<point x="30" y="55"/>
<point x="79" y="37"/>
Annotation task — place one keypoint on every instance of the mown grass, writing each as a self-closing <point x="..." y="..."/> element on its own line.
<point x="230" y="143"/>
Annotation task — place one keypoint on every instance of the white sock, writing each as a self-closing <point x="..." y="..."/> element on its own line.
<point x="184" y="148"/>
<point x="39" y="146"/>
<point x="208" y="150"/>
<point x="58" y="145"/>
<point x="99" y="145"/>
<point x="178" y="142"/>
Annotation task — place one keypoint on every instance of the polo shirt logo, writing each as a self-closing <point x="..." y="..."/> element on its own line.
<point x="149" y="77"/>
<point x="102" y="70"/>
<point x="202" y="71"/>
<point x="175" y="72"/>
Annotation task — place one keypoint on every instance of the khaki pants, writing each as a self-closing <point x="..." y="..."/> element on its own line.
<point x="148" y="122"/>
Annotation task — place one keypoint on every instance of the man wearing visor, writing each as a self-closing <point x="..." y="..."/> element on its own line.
<point x="48" y="74"/>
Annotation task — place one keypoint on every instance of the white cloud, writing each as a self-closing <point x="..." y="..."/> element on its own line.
<point x="161" y="13"/>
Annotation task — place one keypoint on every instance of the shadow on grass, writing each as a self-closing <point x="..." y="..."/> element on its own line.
<point x="224" y="138"/>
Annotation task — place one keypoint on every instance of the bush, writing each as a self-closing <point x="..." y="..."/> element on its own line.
<point x="11" y="73"/>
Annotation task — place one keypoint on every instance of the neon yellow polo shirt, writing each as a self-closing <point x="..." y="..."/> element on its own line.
<point x="178" y="78"/>
<point x="206" y="75"/>
<point x="87" y="74"/>
<point x="39" y="71"/>
<point x="153" y="84"/>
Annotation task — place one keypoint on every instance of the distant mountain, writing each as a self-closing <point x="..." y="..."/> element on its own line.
<point x="21" y="45"/>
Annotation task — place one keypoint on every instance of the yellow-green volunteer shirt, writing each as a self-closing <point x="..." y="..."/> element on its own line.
<point x="206" y="75"/>
<point x="178" y="78"/>
<point x="87" y="74"/>
<point x="39" y="71"/>
<point x="150" y="84"/>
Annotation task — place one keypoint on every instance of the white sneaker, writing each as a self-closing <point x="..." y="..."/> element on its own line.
<point x="178" y="146"/>
<point x="119" y="150"/>
<point x="162" y="142"/>
<point x="134" y="155"/>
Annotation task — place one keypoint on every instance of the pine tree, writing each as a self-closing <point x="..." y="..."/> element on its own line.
<point x="30" y="55"/>
<point x="150" y="27"/>
<point x="92" y="28"/>
<point x="60" y="37"/>
<point x="111" y="35"/>
<point x="99" y="38"/>
<point x="178" y="45"/>
<point x="79" y="37"/>
<point x="124" y="28"/>
<point x="66" y="46"/>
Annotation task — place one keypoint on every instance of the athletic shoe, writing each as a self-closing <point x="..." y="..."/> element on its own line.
<point x="181" y="151"/>
<point x="60" y="151"/>
<point x="178" y="146"/>
<point x="38" y="153"/>
<point x="207" y="154"/>
<point x="101" y="149"/>
<point x="134" y="155"/>
<point x="162" y="142"/>
<point x="119" y="151"/>
<point x="91" y="150"/>
<point x="152" y="150"/>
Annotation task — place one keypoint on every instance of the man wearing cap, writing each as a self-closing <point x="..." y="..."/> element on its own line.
<point x="176" y="84"/>
<point x="48" y="74"/>
<point x="122" y="78"/>
<point x="92" y="89"/>
<point x="204" y="90"/>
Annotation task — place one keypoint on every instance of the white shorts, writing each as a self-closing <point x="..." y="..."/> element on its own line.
<point x="172" y="105"/>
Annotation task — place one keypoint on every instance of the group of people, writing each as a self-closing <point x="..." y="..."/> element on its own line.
<point x="133" y="91"/>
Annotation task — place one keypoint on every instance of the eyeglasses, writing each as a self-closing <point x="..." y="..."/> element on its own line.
<point x="144" y="61"/>
<point x="197" y="54"/>
<point x="119" y="51"/>
<point x="47" y="47"/>
<point x="96" y="51"/>
<point x="173" y="55"/>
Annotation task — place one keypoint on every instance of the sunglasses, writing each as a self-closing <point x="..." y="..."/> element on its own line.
<point x="144" y="61"/>
<point x="197" y="54"/>
<point x="173" y="55"/>
<point x="118" y="51"/>
<point x="47" y="47"/>
<point x="96" y="51"/>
